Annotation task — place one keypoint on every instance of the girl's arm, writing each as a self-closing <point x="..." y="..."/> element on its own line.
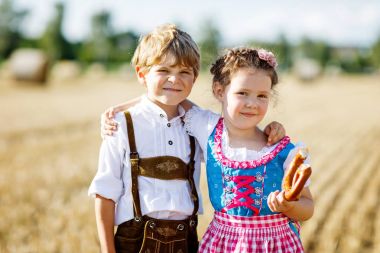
<point x="107" y="124"/>
<point x="299" y="210"/>
<point x="105" y="212"/>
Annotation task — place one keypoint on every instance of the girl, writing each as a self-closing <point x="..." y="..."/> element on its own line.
<point x="244" y="175"/>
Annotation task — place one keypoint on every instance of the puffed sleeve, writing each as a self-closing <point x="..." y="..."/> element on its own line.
<point x="200" y="123"/>
<point x="108" y="181"/>
<point x="292" y="154"/>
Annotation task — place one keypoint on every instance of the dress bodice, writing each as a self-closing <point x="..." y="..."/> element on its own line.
<point x="242" y="187"/>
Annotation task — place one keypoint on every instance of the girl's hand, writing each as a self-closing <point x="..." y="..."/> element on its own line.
<point x="278" y="203"/>
<point x="275" y="132"/>
<point x="107" y="123"/>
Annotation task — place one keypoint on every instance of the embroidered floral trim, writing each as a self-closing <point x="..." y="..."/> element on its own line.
<point x="243" y="164"/>
<point x="188" y="119"/>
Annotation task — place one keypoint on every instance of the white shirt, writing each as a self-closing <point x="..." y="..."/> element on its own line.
<point x="200" y="123"/>
<point x="154" y="136"/>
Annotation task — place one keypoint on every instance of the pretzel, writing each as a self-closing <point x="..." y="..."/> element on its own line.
<point x="296" y="176"/>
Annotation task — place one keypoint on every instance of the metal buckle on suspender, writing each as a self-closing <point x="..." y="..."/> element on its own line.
<point x="134" y="155"/>
<point x="192" y="223"/>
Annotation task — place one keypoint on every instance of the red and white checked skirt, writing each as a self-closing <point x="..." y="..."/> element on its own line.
<point x="261" y="234"/>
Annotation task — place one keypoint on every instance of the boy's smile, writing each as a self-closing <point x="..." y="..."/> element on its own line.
<point x="168" y="84"/>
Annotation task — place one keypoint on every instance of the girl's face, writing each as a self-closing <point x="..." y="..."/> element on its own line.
<point x="245" y="100"/>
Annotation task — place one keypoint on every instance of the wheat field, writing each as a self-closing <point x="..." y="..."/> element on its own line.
<point x="49" y="142"/>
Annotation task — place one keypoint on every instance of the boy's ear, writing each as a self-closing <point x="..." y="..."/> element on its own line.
<point x="218" y="90"/>
<point x="140" y="75"/>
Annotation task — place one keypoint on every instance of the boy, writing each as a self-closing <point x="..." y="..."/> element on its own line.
<point x="150" y="148"/>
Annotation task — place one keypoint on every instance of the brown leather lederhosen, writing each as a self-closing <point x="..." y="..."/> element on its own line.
<point x="146" y="234"/>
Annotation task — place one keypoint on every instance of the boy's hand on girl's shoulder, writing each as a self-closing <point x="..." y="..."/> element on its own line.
<point x="275" y="132"/>
<point x="278" y="203"/>
<point x="107" y="123"/>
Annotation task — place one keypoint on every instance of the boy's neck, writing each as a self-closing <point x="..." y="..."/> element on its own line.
<point x="170" y="110"/>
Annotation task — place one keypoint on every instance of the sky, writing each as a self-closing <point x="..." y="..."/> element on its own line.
<point x="339" y="22"/>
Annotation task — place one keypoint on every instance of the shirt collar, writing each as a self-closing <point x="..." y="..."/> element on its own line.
<point x="151" y="107"/>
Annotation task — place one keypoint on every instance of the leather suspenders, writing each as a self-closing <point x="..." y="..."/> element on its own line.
<point x="162" y="167"/>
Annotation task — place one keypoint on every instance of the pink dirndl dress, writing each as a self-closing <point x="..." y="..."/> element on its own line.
<point x="256" y="234"/>
<point x="238" y="192"/>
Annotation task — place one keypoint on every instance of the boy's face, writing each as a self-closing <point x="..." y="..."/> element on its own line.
<point x="166" y="83"/>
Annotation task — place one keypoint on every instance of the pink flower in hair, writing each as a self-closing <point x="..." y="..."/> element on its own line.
<point x="268" y="57"/>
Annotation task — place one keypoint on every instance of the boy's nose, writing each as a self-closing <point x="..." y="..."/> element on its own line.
<point x="173" y="79"/>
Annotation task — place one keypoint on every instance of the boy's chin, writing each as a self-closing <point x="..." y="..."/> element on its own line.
<point x="171" y="101"/>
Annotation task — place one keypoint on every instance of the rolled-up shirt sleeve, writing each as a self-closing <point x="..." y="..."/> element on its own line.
<point x="108" y="181"/>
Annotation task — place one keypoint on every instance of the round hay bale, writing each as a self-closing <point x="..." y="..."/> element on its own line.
<point x="307" y="69"/>
<point x="96" y="71"/>
<point x="63" y="71"/>
<point x="29" y="65"/>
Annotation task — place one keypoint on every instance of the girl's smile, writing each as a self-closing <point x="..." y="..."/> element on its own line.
<point x="245" y="100"/>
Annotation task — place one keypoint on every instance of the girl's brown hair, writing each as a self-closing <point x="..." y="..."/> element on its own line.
<point x="242" y="57"/>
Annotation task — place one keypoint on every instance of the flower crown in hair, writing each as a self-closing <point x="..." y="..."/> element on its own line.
<point x="268" y="57"/>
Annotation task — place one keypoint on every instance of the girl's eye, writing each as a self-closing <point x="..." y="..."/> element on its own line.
<point x="162" y="70"/>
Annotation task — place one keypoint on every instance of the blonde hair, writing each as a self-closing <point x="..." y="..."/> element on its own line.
<point x="167" y="40"/>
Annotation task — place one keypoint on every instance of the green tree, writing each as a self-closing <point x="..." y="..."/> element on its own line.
<point x="98" y="47"/>
<point x="317" y="50"/>
<point x="53" y="41"/>
<point x="124" y="45"/>
<point x="10" y="22"/>
<point x="209" y="43"/>
<point x="284" y="50"/>
<point x="375" y="53"/>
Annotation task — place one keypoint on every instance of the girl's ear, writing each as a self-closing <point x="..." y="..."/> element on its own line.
<point x="218" y="91"/>
<point x="140" y="75"/>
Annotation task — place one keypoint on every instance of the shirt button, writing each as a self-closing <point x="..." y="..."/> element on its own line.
<point x="168" y="124"/>
<point x="170" y="143"/>
<point x="161" y="115"/>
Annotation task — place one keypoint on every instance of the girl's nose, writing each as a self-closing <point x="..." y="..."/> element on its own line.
<point x="251" y="103"/>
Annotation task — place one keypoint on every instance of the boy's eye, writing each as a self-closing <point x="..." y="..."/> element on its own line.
<point x="242" y="93"/>
<point x="186" y="71"/>
<point x="263" y="96"/>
